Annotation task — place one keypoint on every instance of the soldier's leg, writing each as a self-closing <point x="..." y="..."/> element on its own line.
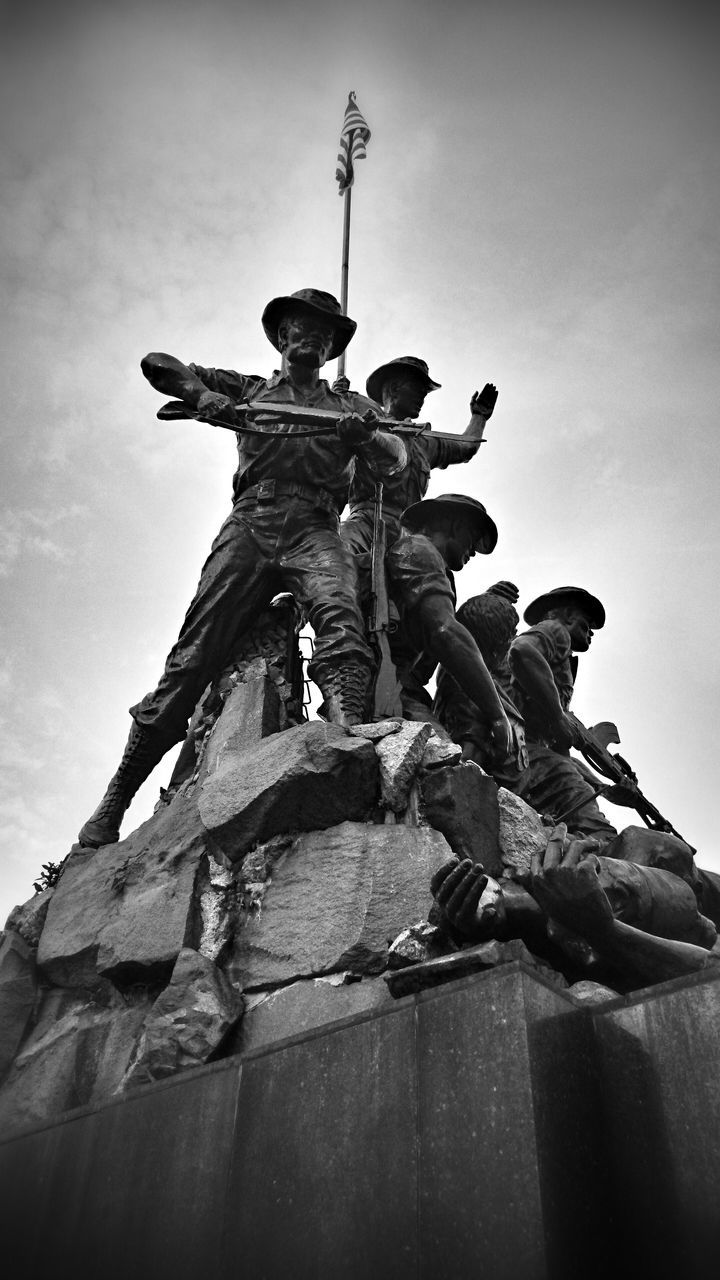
<point x="555" y="786"/>
<point x="322" y="575"/>
<point x="235" y="581"/>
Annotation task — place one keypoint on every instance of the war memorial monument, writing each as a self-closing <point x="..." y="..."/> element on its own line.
<point x="379" y="990"/>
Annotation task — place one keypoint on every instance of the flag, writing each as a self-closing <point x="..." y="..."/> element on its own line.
<point x="353" y="138"/>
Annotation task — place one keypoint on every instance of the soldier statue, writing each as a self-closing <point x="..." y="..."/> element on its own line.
<point x="401" y="386"/>
<point x="282" y="534"/>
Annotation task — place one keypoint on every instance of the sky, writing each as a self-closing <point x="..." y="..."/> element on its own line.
<point x="538" y="208"/>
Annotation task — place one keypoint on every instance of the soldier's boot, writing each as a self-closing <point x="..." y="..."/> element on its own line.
<point x="345" y="696"/>
<point x="145" y="748"/>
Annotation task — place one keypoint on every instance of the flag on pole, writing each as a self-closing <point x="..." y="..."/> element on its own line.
<point x="354" y="136"/>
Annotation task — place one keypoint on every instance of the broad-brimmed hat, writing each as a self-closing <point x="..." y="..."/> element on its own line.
<point x="374" y="384"/>
<point x="559" y="598"/>
<point x="455" y="504"/>
<point x="313" y="302"/>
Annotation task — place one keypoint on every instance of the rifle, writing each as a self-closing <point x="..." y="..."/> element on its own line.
<point x="386" y="693"/>
<point x="593" y="743"/>
<point x="258" y="418"/>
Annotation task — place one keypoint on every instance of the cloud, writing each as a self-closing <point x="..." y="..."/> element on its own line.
<point x="26" y="532"/>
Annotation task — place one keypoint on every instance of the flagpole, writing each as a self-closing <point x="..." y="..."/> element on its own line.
<point x="344" y="272"/>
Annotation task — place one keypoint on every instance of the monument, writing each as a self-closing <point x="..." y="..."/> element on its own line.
<point x="368" y="994"/>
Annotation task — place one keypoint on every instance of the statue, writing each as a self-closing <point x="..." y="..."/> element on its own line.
<point x="629" y="922"/>
<point x="282" y="534"/>
<point x="401" y="386"/>
<point x="491" y="619"/>
<point x="439" y="536"/>
<point x="543" y="669"/>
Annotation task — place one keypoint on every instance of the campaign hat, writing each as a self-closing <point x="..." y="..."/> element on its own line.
<point x="313" y="302"/>
<point x="561" y="597"/>
<point x="454" y="504"/>
<point x="374" y="384"/>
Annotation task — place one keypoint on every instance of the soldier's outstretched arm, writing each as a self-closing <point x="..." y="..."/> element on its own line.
<point x="447" y="641"/>
<point x="384" y="454"/>
<point x="173" y="378"/>
<point x="482" y="404"/>
<point x="535" y="677"/>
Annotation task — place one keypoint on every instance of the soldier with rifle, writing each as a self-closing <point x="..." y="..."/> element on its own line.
<point x="282" y="534"/>
<point x="438" y="538"/>
<point x="401" y="386"/>
<point x="543" y="664"/>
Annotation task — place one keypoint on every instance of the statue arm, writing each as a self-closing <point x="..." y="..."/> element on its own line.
<point x="449" y="642"/>
<point x="173" y="378"/>
<point x="534" y="675"/>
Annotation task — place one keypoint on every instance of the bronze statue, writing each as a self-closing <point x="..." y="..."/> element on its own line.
<point x="438" y="537"/>
<point x="282" y="534"/>
<point x="626" y="919"/>
<point x="544" y="666"/>
<point x="491" y="619"/>
<point x="401" y="386"/>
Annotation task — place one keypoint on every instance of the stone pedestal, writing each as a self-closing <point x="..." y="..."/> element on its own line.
<point x="492" y="1128"/>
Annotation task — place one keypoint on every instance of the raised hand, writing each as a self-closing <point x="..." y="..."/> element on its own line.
<point x="483" y="402"/>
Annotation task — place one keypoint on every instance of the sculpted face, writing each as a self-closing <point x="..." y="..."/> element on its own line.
<point x="403" y="395"/>
<point x="581" y="634"/>
<point x="305" y="338"/>
<point x="458" y="544"/>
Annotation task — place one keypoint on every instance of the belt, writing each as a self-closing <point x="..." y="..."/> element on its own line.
<point x="270" y="490"/>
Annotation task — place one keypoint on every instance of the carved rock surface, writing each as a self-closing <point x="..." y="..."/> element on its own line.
<point x="440" y="751"/>
<point x="521" y="834"/>
<point x="592" y="992"/>
<point x="127" y="910"/>
<point x="336" y="900"/>
<point x="302" y="1006"/>
<point x="188" y="1021"/>
<point x="251" y="712"/>
<point x="376" y="729"/>
<point x="29" y="919"/>
<point x="462" y="802"/>
<point x="17" y="995"/>
<point x="458" y="964"/>
<point x="74" y="1055"/>
<point x="313" y="776"/>
<point x="400" y="755"/>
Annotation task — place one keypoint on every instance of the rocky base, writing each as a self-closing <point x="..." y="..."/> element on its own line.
<point x="268" y="896"/>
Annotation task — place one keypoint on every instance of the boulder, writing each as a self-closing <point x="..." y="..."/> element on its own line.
<point x="377" y="729"/>
<point x="440" y="751"/>
<point x="592" y="992"/>
<point x="313" y="776"/>
<point x="462" y="802"/>
<point x="18" y="988"/>
<point x="302" y="1006"/>
<point x="400" y="755"/>
<point x="521" y="834"/>
<point x="61" y="1062"/>
<point x="188" y="1022"/>
<point x="29" y="919"/>
<point x="125" y="911"/>
<point x="336" y="900"/>
<point x="252" y="711"/>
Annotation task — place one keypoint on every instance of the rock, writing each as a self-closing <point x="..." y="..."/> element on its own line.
<point x="415" y="945"/>
<point x="292" y="1010"/>
<point x="310" y="777"/>
<point x="217" y="893"/>
<point x="522" y="833"/>
<point x="60" y="1064"/>
<point x="458" y="964"/>
<point x="252" y="711"/>
<point x="592" y="992"/>
<point x="126" y="910"/>
<point x="400" y="755"/>
<point x="188" y="1022"/>
<point x="462" y="802"/>
<point x="439" y="752"/>
<point x="29" y="919"/>
<point x="336" y="900"/>
<point x="18" y="988"/>
<point x="374" y="732"/>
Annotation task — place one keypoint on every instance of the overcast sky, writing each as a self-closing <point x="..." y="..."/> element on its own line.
<point x="538" y="209"/>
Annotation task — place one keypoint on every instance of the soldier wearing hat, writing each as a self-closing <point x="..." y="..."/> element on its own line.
<point x="401" y="386"/>
<point x="437" y="538"/>
<point x="282" y="534"/>
<point x="544" y="664"/>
